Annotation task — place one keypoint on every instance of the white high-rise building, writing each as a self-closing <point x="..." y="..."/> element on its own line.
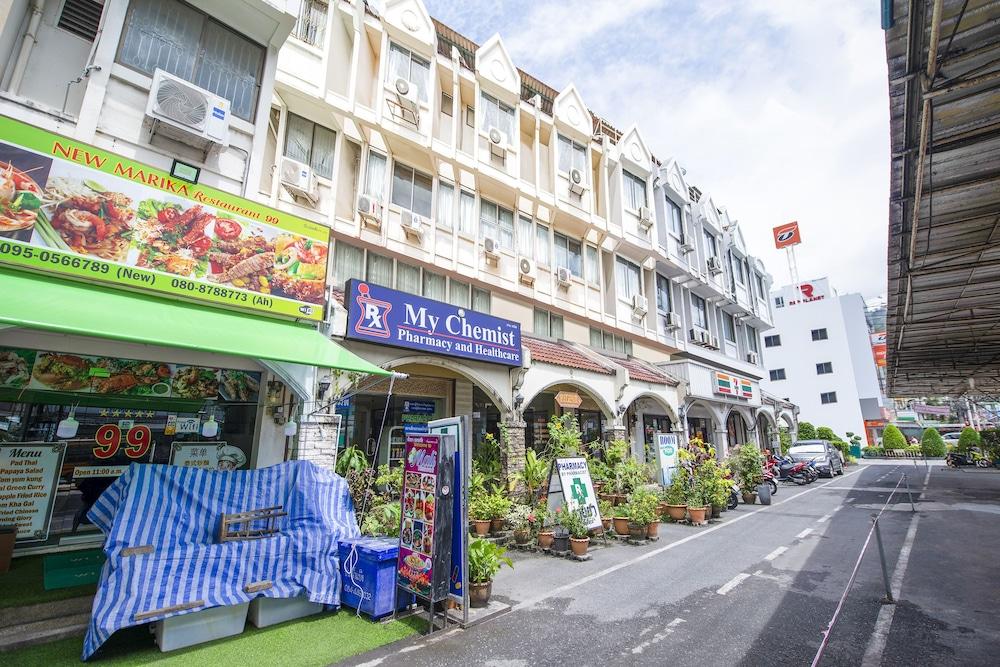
<point x="819" y="356"/>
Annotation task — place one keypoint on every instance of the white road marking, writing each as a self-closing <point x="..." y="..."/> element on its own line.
<point x="531" y="602"/>
<point x="804" y="533"/>
<point x="407" y="649"/>
<point x="824" y="518"/>
<point x="659" y="636"/>
<point x="777" y="552"/>
<point x="876" y="645"/>
<point x="836" y="509"/>
<point x="733" y="583"/>
<point x="373" y="663"/>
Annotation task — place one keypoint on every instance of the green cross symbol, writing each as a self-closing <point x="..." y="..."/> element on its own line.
<point x="578" y="491"/>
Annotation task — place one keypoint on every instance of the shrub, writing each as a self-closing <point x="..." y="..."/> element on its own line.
<point x="991" y="443"/>
<point x="807" y="431"/>
<point x="485" y="560"/>
<point x="572" y="521"/>
<point x="677" y="491"/>
<point x="642" y="507"/>
<point x="931" y="443"/>
<point x="968" y="438"/>
<point x="786" y="440"/>
<point x="826" y="433"/>
<point x="748" y="467"/>
<point x="893" y="438"/>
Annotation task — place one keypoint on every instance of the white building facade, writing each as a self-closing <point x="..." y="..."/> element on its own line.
<point x="819" y="357"/>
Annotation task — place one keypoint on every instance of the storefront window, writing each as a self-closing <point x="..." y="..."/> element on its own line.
<point x="700" y="427"/>
<point x="736" y="430"/>
<point x="651" y="425"/>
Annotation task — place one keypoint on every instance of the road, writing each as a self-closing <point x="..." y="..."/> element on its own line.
<point x="760" y="587"/>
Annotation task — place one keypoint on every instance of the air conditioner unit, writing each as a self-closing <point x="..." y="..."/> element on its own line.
<point x="672" y="321"/>
<point x="645" y="219"/>
<point x="564" y="276"/>
<point x="370" y="209"/>
<point x="639" y="304"/>
<point x="491" y="248"/>
<point x="299" y="179"/>
<point x="412" y="224"/>
<point x="406" y="97"/>
<point x="498" y="143"/>
<point x="576" y="184"/>
<point x="714" y="342"/>
<point x="186" y="113"/>
<point x="526" y="270"/>
<point x="714" y="265"/>
<point x="686" y="246"/>
<point x="752" y="358"/>
<point x="704" y="338"/>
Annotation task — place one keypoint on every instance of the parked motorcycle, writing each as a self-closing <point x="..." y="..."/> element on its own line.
<point x="788" y="470"/>
<point x="972" y="458"/>
<point x="770" y="481"/>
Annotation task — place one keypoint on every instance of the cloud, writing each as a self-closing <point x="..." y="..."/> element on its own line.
<point x="779" y="108"/>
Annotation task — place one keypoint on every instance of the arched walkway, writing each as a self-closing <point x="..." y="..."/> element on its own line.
<point x="647" y="414"/>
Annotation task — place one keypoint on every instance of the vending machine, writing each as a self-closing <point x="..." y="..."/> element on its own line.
<point x="425" y="534"/>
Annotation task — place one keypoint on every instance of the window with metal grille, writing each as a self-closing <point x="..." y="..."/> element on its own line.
<point x="81" y="17"/>
<point x="311" y="24"/>
<point x="179" y="39"/>
<point x="777" y="374"/>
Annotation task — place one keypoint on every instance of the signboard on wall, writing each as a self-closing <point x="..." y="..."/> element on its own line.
<point x="730" y="385"/>
<point x="879" y="349"/>
<point x="787" y="235"/>
<point x="207" y="455"/>
<point x="809" y="291"/>
<point x="569" y="482"/>
<point x="569" y="400"/>
<point x="386" y="316"/>
<point x="29" y="472"/>
<point x="84" y="213"/>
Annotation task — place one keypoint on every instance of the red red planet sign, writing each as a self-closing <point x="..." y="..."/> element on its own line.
<point x="787" y="235"/>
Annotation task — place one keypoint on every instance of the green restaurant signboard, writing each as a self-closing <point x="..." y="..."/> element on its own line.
<point x="83" y="213"/>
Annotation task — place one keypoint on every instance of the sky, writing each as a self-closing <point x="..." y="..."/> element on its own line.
<point x="778" y="108"/>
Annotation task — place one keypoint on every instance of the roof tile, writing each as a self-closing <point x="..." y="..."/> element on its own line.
<point x="561" y="354"/>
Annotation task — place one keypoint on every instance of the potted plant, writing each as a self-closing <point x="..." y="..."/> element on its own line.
<point x="499" y="505"/>
<point x="606" y="509"/>
<point x="714" y="481"/>
<point x="485" y="560"/>
<point x="696" y="503"/>
<point x="480" y="511"/>
<point x="573" y="523"/>
<point x="676" y="496"/>
<point x="642" y="514"/>
<point x="520" y="519"/>
<point x="560" y="536"/>
<point x="749" y="471"/>
<point x="620" y="518"/>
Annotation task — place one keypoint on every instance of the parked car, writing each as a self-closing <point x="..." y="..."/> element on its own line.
<point x="828" y="462"/>
<point x="951" y="438"/>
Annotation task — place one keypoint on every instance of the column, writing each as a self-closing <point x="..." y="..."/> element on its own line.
<point x="512" y="452"/>
<point x="721" y="442"/>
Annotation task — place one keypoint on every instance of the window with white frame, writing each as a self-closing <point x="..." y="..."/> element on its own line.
<point x="728" y="328"/>
<point x="445" y="213"/>
<point x="759" y="279"/>
<point x="481" y="300"/>
<point x="593" y="265"/>
<point x="635" y="190"/>
<point x="310" y="27"/>
<point x="525" y="236"/>
<point x="568" y="254"/>
<point x="496" y="114"/>
<point x="699" y="312"/>
<point x="467" y="212"/>
<point x="375" y="175"/>
<point x="752" y="343"/>
<point x="605" y="340"/>
<point x="459" y="293"/>
<point x="378" y="269"/>
<point x="404" y="64"/>
<point x="496" y="222"/>
<point x="572" y="156"/>
<point x="547" y="324"/>
<point x="311" y="144"/>
<point x="737" y="266"/>
<point x="663" y="301"/>
<point x="628" y="279"/>
<point x="779" y="302"/>
<point x="819" y="334"/>
<point x="711" y="244"/>
<point x="435" y="286"/>
<point x="179" y="39"/>
<point x="447" y="102"/>
<point x="542" y="253"/>
<point x="675" y="219"/>
<point x="412" y="189"/>
<point x="348" y="262"/>
<point x="408" y="278"/>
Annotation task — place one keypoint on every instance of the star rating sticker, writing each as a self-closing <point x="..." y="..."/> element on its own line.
<point x="150" y="414"/>
<point x="104" y="413"/>
<point x="128" y="413"/>
<point x="116" y="413"/>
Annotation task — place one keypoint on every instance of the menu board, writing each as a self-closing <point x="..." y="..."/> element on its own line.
<point x="28" y="474"/>
<point x="84" y="213"/>
<point x="416" y="535"/>
<point x="76" y="373"/>
<point x="207" y="455"/>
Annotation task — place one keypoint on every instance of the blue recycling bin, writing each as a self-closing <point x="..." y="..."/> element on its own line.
<point x="368" y="571"/>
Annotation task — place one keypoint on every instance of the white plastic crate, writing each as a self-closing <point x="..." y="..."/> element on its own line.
<point x="271" y="611"/>
<point x="201" y="626"/>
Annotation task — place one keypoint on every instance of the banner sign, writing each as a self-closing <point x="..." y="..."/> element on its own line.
<point x="207" y="455"/>
<point x="84" y="213"/>
<point x="389" y="317"/>
<point x="29" y="472"/>
<point x="666" y="447"/>
<point x="730" y="385"/>
<point x="879" y="349"/>
<point x="456" y="426"/>
<point x="569" y="480"/>
<point x="786" y="235"/>
<point x="415" y="567"/>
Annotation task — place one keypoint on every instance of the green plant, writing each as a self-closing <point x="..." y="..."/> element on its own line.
<point x="616" y="452"/>
<point x="785" y="438"/>
<point x="485" y="560"/>
<point x="520" y="517"/>
<point x="826" y="433"/>
<point x="893" y="438"/>
<point x="806" y="431"/>
<point x="499" y="505"/>
<point x="564" y="436"/>
<point x="382" y="520"/>
<point x="629" y="475"/>
<point x="748" y="466"/>
<point x="572" y="521"/>
<point x="534" y="475"/>
<point x="696" y="496"/>
<point x="390" y="481"/>
<point x="931" y="443"/>
<point x="351" y="458"/>
<point x="991" y="443"/>
<point x="480" y="508"/>
<point x="968" y="438"/>
<point x="714" y="481"/>
<point x="605" y="508"/>
<point x="642" y="507"/>
<point x="676" y="493"/>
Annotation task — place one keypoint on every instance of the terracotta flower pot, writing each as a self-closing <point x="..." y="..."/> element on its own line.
<point x="653" y="529"/>
<point x="697" y="514"/>
<point x="677" y="512"/>
<point x="545" y="538"/>
<point x="482" y="527"/>
<point x="479" y="593"/>
<point x="606" y="522"/>
<point x="621" y="525"/>
<point x="579" y="546"/>
<point x="522" y="536"/>
<point x="496" y="525"/>
<point x="637" y="531"/>
<point x="749" y="497"/>
<point x="661" y="508"/>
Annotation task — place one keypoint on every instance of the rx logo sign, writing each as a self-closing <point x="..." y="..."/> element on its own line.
<point x="374" y="314"/>
<point x="578" y="491"/>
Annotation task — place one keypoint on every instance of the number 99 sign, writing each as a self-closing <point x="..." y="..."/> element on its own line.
<point x="138" y="440"/>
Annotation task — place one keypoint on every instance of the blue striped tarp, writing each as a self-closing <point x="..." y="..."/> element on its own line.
<point x="177" y="510"/>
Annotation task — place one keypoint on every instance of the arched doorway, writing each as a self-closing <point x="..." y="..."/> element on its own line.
<point x="701" y="423"/>
<point x="592" y="413"/>
<point x="736" y="430"/>
<point x="765" y="433"/>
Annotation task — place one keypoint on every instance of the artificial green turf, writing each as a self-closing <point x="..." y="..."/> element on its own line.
<point x="317" y="640"/>
<point x="23" y="585"/>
